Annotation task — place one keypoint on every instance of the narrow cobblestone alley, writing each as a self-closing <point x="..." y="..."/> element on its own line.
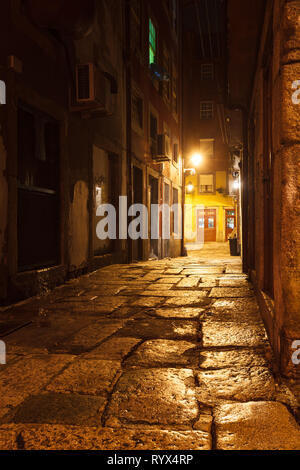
<point x="168" y="354"/>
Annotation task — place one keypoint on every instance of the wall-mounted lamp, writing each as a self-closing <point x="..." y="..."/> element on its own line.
<point x="236" y="184"/>
<point x="2" y="92"/>
<point x="192" y="171"/>
<point x="190" y="187"/>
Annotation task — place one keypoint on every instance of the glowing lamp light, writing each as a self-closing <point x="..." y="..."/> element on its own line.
<point x="190" y="187"/>
<point x="2" y="92"/>
<point x="196" y="159"/>
<point x="236" y="184"/>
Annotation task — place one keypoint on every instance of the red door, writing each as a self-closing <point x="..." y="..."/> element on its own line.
<point x="206" y="225"/>
<point x="230" y="222"/>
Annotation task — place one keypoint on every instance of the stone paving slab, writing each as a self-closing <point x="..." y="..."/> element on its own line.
<point x="26" y="377"/>
<point x="178" y="313"/>
<point x="190" y="281"/>
<point x="164" y="353"/>
<point x="216" y="359"/>
<point x="87" y="377"/>
<point x="89" y="337"/>
<point x="235" y="383"/>
<point x="60" y="437"/>
<point x="228" y="333"/>
<point x="114" y="349"/>
<point x="146" y="396"/>
<point x="148" y="301"/>
<point x="223" y="292"/>
<point x="164" y="329"/>
<point x="56" y="408"/>
<point x="176" y="293"/>
<point x="192" y="300"/>
<point x="256" y="426"/>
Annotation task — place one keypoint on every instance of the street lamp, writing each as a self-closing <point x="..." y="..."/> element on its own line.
<point x="196" y="159"/>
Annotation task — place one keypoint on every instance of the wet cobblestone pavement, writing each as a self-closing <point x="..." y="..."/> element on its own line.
<point x="168" y="354"/>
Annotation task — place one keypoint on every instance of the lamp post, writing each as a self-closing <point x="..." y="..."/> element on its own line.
<point x="195" y="160"/>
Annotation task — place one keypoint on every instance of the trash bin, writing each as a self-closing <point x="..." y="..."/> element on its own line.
<point x="233" y="246"/>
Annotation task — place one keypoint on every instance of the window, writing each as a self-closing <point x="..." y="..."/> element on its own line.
<point x="38" y="149"/>
<point x="152" y="42"/>
<point x="174" y="223"/>
<point x="211" y="222"/>
<point x="175" y="152"/>
<point x="174" y="15"/>
<point x="137" y="111"/>
<point x="206" y="183"/>
<point x="174" y="90"/>
<point x="207" y="148"/>
<point x="206" y="110"/>
<point x="153" y="134"/>
<point x="166" y="85"/>
<point x="153" y="127"/>
<point x="136" y="29"/>
<point x="207" y="71"/>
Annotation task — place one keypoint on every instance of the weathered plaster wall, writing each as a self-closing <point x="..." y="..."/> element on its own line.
<point x="79" y="226"/>
<point x="3" y="216"/>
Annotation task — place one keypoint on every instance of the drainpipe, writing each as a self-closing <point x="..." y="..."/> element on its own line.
<point x="244" y="165"/>
<point x="181" y="131"/>
<point x="127" y="55"/>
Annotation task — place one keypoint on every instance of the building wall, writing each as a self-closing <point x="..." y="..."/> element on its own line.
<point x="220" y="202"/>
<point x="43" y="78"/>
<point x="97" y="155"/>
<point x="155" y="101"/>
<point x="281" y="304"/>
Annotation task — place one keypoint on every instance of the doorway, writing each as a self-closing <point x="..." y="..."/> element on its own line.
<point x="153" y="183"/>
<point x="268" y="171"/>
<point x="106" y="191"/>
<point x="166" y="222"/>
<point x="137" y="245"/>
<point x="206" y="223"/>
<point x="230" y="222"/>
<point x="38" y="189"/>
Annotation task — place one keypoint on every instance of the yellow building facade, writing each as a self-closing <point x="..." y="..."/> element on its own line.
<point x="209" y="215"/>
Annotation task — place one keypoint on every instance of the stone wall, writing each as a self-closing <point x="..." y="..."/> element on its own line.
<point x="281" y="311"/>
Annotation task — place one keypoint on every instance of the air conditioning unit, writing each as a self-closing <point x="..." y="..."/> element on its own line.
<point x="163" y="148"/>
<point x="93" y="90"/>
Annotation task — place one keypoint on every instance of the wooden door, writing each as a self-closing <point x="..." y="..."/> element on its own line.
<point x="207" y="223"/>
<point x="230" y="222"/>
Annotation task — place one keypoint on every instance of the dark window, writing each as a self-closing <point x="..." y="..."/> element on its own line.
<point x="153" y="127"/>
<point x="175" y="201"/>
<point x="38" y="144"/>
<point x="166" y="85"/>
<point x="206" y="110"/>
<point x="174" y="15"/>
<point x="174" y="90"/>
<point x="175" y="152"/>
<point x="136" y="25"/>
<point x="207" y="71"/>
<point x="153" y="135"/>
<point x="137" y="111"/>
<point x="207" y="148"/>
